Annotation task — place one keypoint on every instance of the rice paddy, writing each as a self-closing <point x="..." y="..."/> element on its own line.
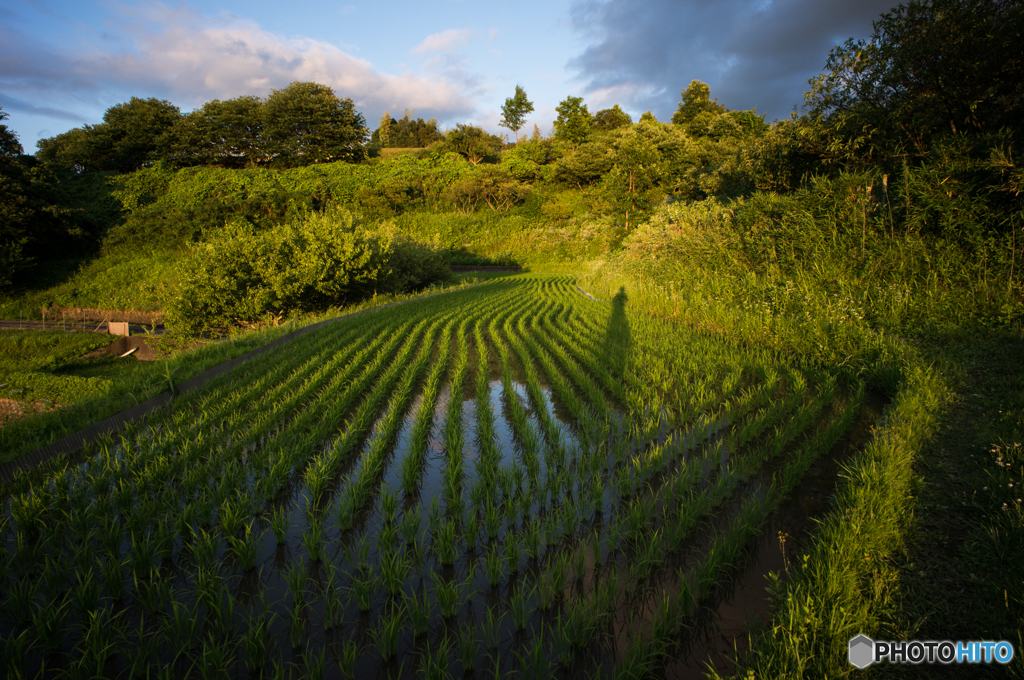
<point x="507" y="478"/>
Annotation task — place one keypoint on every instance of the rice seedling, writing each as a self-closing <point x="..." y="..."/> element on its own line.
<point x="385" y="635"/>
<point x="96" y="646"/>
<point x="86" y="595"/>
<point x="467" y="648"/>
<point x="296" y="627"/>
<point x="419" y="614"/>
<point x="363" y="590"/>
<point x="517" y="606"/>
<point x="313" y="539"/>
<point x="232" y="517"/>
<point x="348" y="508"/>
<point x="444" y="543"/>
<point x="279" y="525"/>
<point x="435" y="663"/>
<point x="315" y="664"/>
<point x="246" y="549"/>
<point x="532" y="540"/>
<point x="410" y="526"/>
<point x="387" y="537"/>
<point x="113" y="577"/>
<point x="434" y="518"/>
<point x="447" y="595"/>
<point x="49" y="621"/>
<point x="204" y="547"/>
<point x="493" y="565"/>
<point x="209" y="588"/>
<point x="141" y="555"/>
<point x="361" y="554"/>
<point x="492" y="521"/>
<point x="22" y="595"/>
<point x="491" y="628"/>
<point x="512" y="553"/>
<point x="214" y="658"/>
<point x="388" y="505"/>
<point x="347" y="659"/>
<point x="296" y="577"/>
<point x="154" y="595"/>
<point x="394" y="568"/>
<point x="558" y="570"/>
<point x="332" y="605"/>
<point x="534" y="661"/>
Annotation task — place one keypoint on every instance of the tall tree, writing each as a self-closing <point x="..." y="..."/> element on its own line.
<point x="609" y="119"/>
<point x="226" y="133"/>
<point x="573" y="122"/>
<point x="931" y="67"/>
<point x="696" y="100"/>
<point x="307" y="123"/>
<point x="132" y="134"/>
<point x="407" y="133"/>
<point x="514" y="111"/>
<point x="14" y="210"/>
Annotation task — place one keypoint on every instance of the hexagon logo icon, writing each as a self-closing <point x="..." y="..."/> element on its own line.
<point x="862" y="651"/>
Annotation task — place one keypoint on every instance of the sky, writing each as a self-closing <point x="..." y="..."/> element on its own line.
<point x="64" y="62"/>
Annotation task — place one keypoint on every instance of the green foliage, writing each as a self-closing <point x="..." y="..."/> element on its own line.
<point x="573" y="122"/>
<point x="585" y="166"/>
<point x="493" y="186"/>
<point x="132" y="134"/>
<point x="405" y="133"/>
<point x="610" y="119"/>
<point x="515" y="110"/>
<point x="931" y="67"/>
<point x="241" y="275"/>
<point x="472" y="143"/>
<point x="307" y="123"/>
<point x="224" y="133"/>
<point x="696" y="101"/>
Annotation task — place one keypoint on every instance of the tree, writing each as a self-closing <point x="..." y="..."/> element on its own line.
<point x="472" y="143"/>
<point x="132" y="135"/>
<point x="696" y="100"/>
<point x="610" y="119"/>
<point x="931" y="67"/>
<point x="14" y="211"/>
<point x="406" y="133"/>
<point x="307" y="123"/>
<point x="573" y="122"/>
<point x="226" y="133"/>
<point x="513" y="113"/>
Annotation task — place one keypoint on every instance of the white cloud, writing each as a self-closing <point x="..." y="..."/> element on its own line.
<point x="445" y="42"/>
<point x="178" y="54"/>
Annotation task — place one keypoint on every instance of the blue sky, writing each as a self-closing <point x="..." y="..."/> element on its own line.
<point x="62" y="63"/>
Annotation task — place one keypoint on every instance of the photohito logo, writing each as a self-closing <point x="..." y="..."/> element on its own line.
<point x="863" y="651"/>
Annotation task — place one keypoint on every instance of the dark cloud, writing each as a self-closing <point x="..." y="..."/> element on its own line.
<point x="753" y="53"/>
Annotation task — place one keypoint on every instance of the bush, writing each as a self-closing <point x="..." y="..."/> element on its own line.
<point x="243" y="276"/>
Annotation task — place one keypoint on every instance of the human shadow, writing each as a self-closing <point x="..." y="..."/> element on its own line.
<point x="618" y="340"/>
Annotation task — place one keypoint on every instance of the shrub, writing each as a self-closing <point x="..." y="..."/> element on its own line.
<point x="243" y="276"/>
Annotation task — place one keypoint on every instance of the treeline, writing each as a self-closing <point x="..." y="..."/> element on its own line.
<point x="913" y="130"/>
<point x="301" y="124"/>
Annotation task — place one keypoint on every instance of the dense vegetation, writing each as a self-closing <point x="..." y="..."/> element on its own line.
<point x="871" y="236"/>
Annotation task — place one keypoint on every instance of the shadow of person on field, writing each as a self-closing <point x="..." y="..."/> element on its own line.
<point x="617" y="339"/>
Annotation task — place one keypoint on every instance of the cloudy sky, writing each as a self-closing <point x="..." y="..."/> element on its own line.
<point x="64" y="62"/>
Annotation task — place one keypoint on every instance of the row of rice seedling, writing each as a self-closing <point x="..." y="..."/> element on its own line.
<point x="254" y="526"/>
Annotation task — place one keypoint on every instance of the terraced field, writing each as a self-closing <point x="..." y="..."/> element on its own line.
<point x="507" y="478"/>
